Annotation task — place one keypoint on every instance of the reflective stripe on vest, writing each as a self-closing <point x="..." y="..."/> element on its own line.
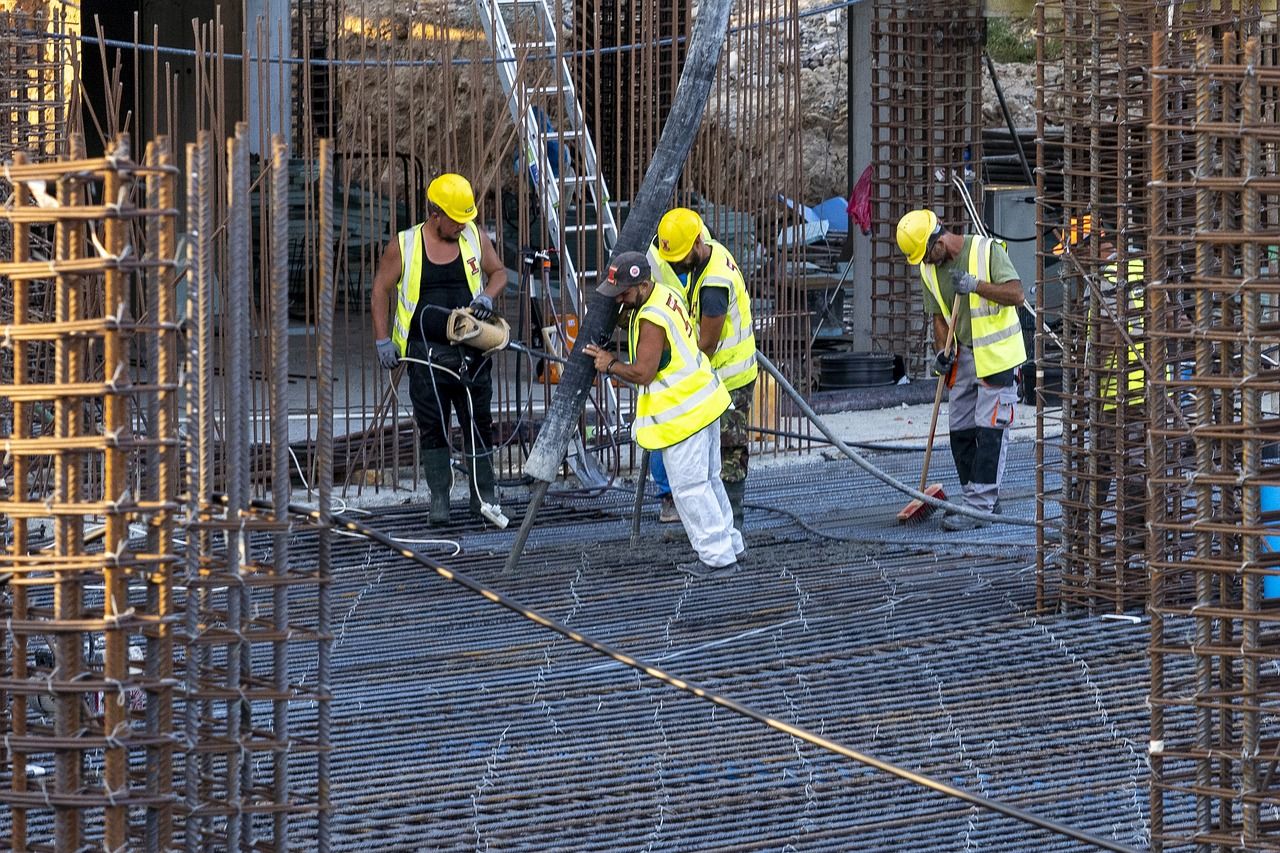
<point x="1136" y="375"/>
<point x="685" y="395"/>
<point x="734" y="360"/>
<point x="997" y="332"/>
<point x="411" y="256"/>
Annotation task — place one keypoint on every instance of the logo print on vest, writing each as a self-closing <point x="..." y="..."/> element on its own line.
<point x="474" y="265"/>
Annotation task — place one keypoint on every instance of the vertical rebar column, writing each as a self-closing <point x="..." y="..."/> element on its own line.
<point x="1098" y="262"/>
<point x="324" y="472"/>
<point x="162" y="465"/>
<point x="280" y="483"/>
<point x="927" y="121"/>
<point x="85" y="425"/>
<point x="1213" y="772"/>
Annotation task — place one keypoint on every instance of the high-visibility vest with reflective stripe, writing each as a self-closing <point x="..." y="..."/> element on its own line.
<point x="734" y="360"/>
<point x="685" y="395"/>
<point x="997" y="332"/>
<point x="1137" y="377"/>
<point x="411" y="255"/>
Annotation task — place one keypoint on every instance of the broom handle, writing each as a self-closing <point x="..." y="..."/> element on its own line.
<point x="937" y="396"/>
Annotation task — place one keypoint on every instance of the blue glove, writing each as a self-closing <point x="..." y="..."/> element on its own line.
<point x="482" y="307"/>
<point x="964" y="282"/>
<point x="941" y="364"/>
<point x="388" y="357"/>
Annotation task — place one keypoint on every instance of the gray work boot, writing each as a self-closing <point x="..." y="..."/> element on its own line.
<point x="439" y="476"/>
<point x="481" y="483"/>
<point x="736" y="492"/>
<point x="668" y="514"/>
<point x="699" y="569"/>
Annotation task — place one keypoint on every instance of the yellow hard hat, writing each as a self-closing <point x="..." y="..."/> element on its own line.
<point x="677" y="232"/>
<point x="1079" y="230"/>
<point x="914" y="231"/>
<point x="452" y="194"/>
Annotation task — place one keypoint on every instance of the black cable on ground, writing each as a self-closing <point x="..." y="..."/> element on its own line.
<point x="695" y="689"/>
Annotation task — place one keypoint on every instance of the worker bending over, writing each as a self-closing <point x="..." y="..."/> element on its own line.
<point x="983" y="373"/>
<point x="692" y="263"/>
<point x="443" y="263"/>
<point x="678" y="408"/>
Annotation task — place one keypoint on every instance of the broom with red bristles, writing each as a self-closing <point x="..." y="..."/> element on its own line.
<point x="918" y="510"/>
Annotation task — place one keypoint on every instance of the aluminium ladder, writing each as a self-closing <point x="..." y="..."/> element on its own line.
<point x="570" y="181"/>
<point x="573" y="179"/>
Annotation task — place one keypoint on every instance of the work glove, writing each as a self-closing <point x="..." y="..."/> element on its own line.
<point x="941" y="363"/>
<point x="388" y="357"/>
<point x="964" y="282"/>
<point x="482" y="307"/>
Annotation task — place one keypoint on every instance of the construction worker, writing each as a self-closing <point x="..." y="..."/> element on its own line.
<point x="689" y="261"/>
<point x="1119" y="426"/>
<point x="443" y="263"/>
<point x="678" y="409"/>
<point x="983" y="373"/>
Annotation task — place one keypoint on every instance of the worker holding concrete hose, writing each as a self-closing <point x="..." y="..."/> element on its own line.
<point x="678" y="409"/>
<point x="689" y="261"/>
<point x="1119" y="425"/>
<point x="982" y="374"/>
<point x="443" y="263"/>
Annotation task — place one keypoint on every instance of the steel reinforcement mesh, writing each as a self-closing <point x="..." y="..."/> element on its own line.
<point x="87" y="687"/>
<point x="1212" y="469"/>
<point x="1097" y="258"/>
<point x="926" y="126"/>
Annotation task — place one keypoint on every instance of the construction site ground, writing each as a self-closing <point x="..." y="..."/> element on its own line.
<point x="461" y="725"/>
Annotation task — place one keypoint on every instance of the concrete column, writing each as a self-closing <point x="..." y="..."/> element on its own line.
<point x="861" y="17"/>
<point x="269" y="37"/>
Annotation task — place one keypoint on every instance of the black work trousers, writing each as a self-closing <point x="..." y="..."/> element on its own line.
<point x="438" y="393"/>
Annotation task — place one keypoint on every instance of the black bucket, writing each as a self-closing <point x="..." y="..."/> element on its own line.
<point x="856" y="369"/>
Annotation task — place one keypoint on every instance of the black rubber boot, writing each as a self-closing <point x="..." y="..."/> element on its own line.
<point x="736" y="492"/>
<point x="481" y="484"/>
<point x="439" y="476"/>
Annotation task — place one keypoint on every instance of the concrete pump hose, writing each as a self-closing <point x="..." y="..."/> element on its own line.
<point x="862" y="463"/>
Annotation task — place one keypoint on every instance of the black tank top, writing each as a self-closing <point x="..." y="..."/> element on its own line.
<point x="444" y="285"/>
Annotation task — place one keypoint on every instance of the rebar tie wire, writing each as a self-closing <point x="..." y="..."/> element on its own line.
<point x="324" y="519"/>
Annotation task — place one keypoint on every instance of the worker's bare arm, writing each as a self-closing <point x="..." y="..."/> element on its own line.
<point x="383" y="291"/>
<point x="648" y="356"/>
<point x="1005" y="293"/>
<point x="494" y="270"/>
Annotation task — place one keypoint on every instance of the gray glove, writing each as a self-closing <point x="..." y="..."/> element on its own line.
<point x="482" y="307"/>
<point x="964" y="282"/>
<point x="941" y="363"/>
<point x="388" y="357"/>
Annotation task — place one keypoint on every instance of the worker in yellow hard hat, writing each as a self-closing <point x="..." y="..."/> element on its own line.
<point x="440" y="264"/>
<point x="975" y="275"/>
<point x="680" y="403"/>
<point x="686" y="258"/>
<point x="1077" y="233"/>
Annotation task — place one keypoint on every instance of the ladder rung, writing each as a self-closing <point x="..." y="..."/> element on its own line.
<point x="580" y="179"/>
<point x="540" y="45"/>
<point x="544" y="90"/>
<point x="572" y="133"/>
<point x="573" y="229"/>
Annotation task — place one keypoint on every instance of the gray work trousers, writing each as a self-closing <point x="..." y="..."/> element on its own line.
<point x="979" y="414"/>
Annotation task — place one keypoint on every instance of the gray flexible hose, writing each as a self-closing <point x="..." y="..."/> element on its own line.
<point x="862" y="463"/>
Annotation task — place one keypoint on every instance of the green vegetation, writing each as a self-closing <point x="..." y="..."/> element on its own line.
<point x="1010" y="40"/>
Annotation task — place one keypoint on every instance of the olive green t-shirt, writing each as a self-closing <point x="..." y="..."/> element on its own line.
<point x="1001" y="271"/>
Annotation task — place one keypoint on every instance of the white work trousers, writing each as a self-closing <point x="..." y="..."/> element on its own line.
<point x="693" y="467"/>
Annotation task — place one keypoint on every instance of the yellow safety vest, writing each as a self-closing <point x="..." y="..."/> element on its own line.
<point x="1137" y="377"/>
<point x="411" y="275"/>
<point x="734" y="360"/>
<point x="685" y="395"/>
<point x="997" y="332"/>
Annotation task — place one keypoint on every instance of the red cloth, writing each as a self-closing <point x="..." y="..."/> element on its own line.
<point x="860" y="202"/>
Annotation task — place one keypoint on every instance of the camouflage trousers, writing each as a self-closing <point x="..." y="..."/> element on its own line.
<point x="734" y="436"/>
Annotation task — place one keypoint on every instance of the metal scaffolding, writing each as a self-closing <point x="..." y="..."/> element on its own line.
<point x="927" y="127"/>
<point x="1211" y="459"/>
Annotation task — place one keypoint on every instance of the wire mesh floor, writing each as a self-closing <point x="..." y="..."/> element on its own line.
<point x="461" y="726"/>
